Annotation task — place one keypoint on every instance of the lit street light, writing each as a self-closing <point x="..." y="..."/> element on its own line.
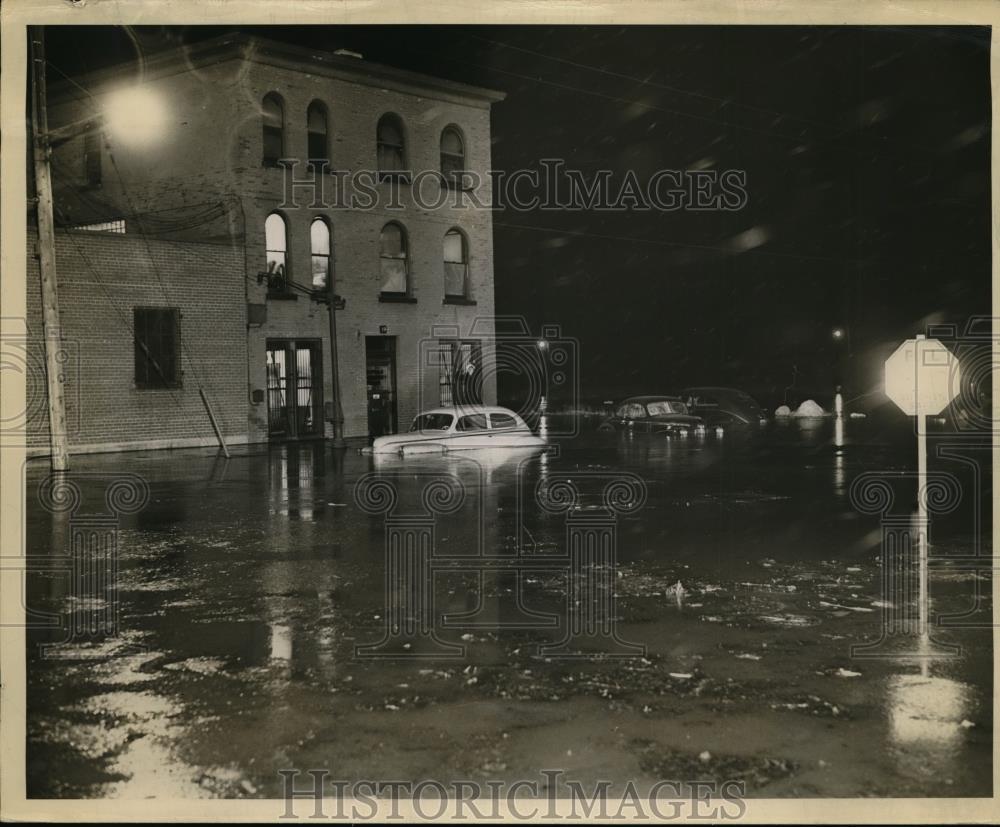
<point x="842" y="343"/>
<point x="135" y="115"/>
<point x="543" y="403"/>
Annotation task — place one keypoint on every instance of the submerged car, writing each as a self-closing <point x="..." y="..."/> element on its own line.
<point x="459" y="429"/>
<point x="653" y="415"/>
<point x="724" y="406"/>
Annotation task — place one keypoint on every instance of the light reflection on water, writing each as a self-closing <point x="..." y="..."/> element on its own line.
<point x="150" y="765"/>
<point x="543" y="426"/>
<point x="270" y="604"/>
<point x="293" y="474"/>
<point x="927" y="712"/>
<point x="839" y="474"/>
<point x="281" y="642"/>
<point x="927" y="717"/>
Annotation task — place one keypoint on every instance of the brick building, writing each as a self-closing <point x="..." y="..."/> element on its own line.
<point x="110" y="286"/>
<point x="291" y="166"/>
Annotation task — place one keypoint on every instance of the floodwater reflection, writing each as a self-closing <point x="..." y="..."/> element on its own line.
<point x="927" y="712"/>
<point x="747" y="574"/>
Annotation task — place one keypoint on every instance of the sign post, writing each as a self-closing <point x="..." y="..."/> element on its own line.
<point x="922" y="378"/>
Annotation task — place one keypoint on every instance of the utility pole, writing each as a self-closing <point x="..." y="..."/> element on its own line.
<point x="47" y="253"/>
<point x="338" y="409"/>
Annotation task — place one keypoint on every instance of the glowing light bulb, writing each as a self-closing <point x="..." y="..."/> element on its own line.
<point x="135" y="115"/>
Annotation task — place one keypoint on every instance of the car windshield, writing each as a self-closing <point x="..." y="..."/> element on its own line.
<point x="665" y="406"/>
<point x="432" y="422"/>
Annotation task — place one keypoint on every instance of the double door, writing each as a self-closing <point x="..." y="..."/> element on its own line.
<point x="294" y="388"/>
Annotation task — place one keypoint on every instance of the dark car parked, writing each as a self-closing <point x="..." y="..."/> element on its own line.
<point x="724" y="406"/>
<point x="652" y="415"/>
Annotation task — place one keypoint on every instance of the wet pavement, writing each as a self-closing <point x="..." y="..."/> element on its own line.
<point x="245" y="585"/>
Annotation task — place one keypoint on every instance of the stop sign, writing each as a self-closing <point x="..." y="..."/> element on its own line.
<point x="922" y="377"/>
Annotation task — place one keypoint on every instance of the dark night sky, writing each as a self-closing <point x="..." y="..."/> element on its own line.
<point x="867" y="160"/>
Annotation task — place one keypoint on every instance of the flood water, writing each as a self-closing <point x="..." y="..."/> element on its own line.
<point x="245" y="586"/>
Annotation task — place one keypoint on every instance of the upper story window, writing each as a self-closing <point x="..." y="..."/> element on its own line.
<point x="456" y="265"/>
<point x="319" y="235"/>
<point x="318" y="136"/>
<point x="391" y="146"/>
<point x="276" y="244"/>
<point x="393" y="261"/>
<point x="92" y="159"/>
<point x="452" y="155"/>
<point x="273" y="113"/>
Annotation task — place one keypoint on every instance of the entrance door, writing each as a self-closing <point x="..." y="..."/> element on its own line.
<point x="380" y="378"/>
<point x="294" y="388"/>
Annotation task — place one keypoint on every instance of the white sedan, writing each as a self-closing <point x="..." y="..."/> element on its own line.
<point x="459" y="429"/>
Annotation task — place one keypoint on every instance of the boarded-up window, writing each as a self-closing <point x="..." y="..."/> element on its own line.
<point x="456" y="264"/>
<point x="274" y="130"/>
<point x="392" y="259"/>
<point x="391" y="148"/>
<point x="319" y="233"/>
<point x="316" y="125"/>
<point x="157" y="347"/>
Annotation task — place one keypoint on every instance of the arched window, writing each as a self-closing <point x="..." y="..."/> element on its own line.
<point x="456" y="264"/>
<point x="274" y="130"/>
<point x="316" y="126"/>
<point x="393" y="260"/>
<point x="391" y="146"/>
<point x="276" y="244"/>
<point x="319" y="236"/>
<point x="452" y="155"/>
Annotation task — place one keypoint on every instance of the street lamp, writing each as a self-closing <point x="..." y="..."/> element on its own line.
<point x="543" y="403"/>
<point x="135" y="115"/>
<point x="841" y="338"/>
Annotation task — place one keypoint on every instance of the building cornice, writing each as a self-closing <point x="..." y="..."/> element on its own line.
<point x="246" y="47"/>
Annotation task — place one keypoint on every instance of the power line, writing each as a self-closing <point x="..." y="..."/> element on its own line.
<point x="617" y="99"/>
<point x="535" y="228"/>
<point x="155" y="222"/>
<point x="152" y="260"/>
<point x="122" y="315"/>
<point x="660" y="243"/>
<point x="137" y="220"/>
<point x="839" y="133"/>
<point x="653" y="84"/>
